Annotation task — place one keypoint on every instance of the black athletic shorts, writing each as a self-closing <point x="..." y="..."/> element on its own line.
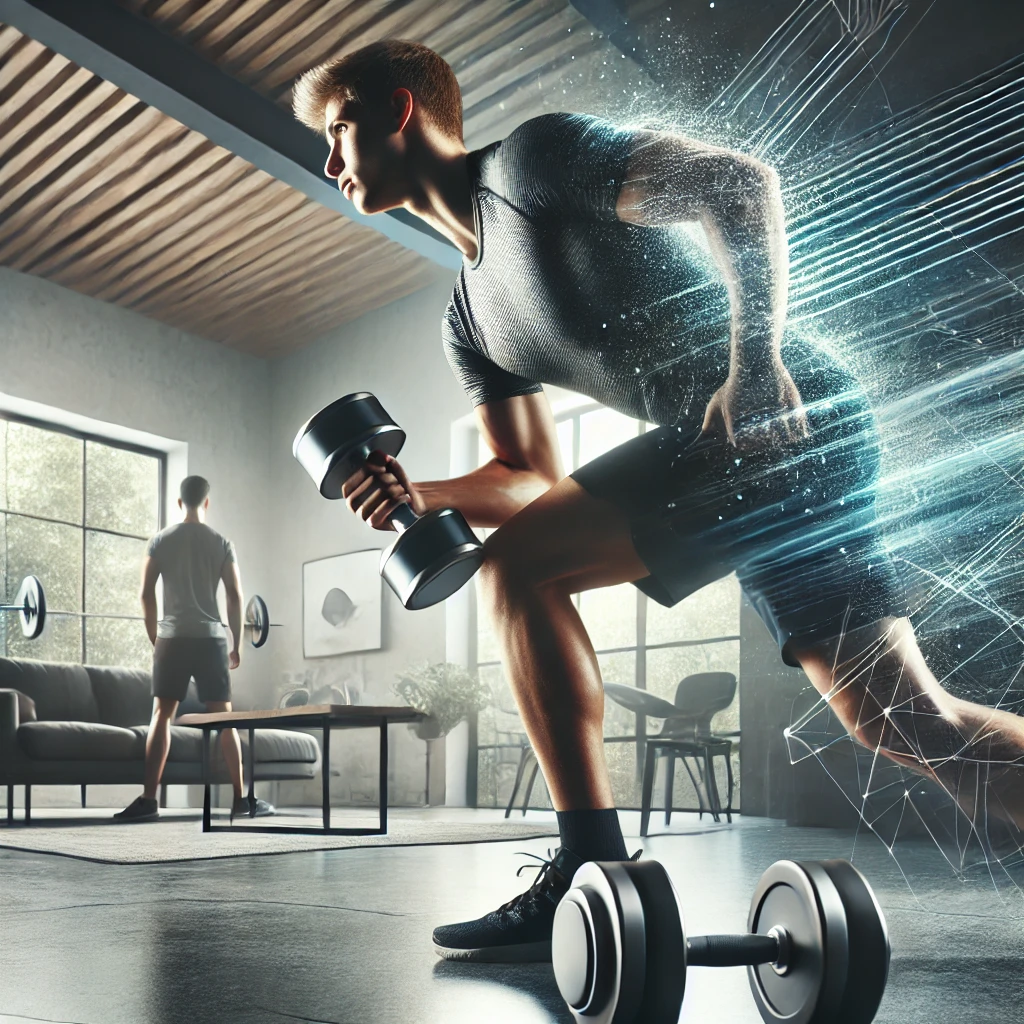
<point x="796" y="524"/>
<point x="178" y="659"/>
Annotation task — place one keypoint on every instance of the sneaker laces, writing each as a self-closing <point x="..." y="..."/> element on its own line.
<point x="537" y="886"/>
<point x="541" y="881"/>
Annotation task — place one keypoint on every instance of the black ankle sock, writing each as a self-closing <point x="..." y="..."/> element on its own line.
<point x="592" y="835"/>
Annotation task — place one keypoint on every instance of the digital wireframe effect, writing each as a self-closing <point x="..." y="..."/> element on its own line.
<point x="906" y="261"/>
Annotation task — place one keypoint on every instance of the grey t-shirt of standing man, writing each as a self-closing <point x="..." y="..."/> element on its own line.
<point x="191" y="558"/>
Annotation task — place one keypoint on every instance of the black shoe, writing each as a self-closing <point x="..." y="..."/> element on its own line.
<point x="140" y="809"/>
<point x="241" y="808"/>
<point x="519" y="931"/>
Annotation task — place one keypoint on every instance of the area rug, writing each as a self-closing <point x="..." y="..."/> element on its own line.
<point x="178" y="836"/>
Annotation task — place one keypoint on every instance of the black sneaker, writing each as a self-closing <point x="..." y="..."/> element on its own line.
<point x="519" y="931"/>
<point x="140" y="809"/>
<point x="241" y="808"/>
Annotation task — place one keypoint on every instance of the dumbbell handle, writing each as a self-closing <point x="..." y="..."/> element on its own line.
<point x="403" y="517"/>
<point x="736" y="950"/>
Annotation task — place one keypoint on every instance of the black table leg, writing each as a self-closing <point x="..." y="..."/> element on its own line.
<point x="325" y="774"/>
<point x="84" y="788"/>
<point x="206" y="780"/>
<point x="252" y="771"/>
<point x="384" y="777"/>
<point x="10" y="805"/>
<point x="28" y="804"/>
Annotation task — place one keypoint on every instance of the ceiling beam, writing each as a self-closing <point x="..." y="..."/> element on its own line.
<point x="139" y="57"/>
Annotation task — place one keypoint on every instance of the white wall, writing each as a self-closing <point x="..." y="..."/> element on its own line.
<point x="97" y="360"/>
<point x="394" y="352"/>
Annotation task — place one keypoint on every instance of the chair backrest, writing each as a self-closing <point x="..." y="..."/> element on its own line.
<point x="699" y="698"/>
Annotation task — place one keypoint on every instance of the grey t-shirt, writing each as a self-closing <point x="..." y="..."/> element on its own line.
<point x="563" y="292"/>
<point x="191" y="558"/>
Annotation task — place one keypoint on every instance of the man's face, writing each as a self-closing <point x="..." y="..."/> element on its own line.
<point x="364" y="157"/>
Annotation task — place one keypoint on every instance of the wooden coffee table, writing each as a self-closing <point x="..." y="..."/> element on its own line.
<point x="326" y="717"/>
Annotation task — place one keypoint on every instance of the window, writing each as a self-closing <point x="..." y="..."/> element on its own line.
<point x="77" y="511"/>
<point x="638" y="642"/>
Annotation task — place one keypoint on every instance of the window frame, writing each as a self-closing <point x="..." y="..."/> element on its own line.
<point x="85" y="437"/>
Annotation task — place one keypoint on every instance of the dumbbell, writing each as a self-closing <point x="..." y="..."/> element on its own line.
<point x="30" y="604"/>
<point x="434" y="554"/>
<point x="817" y="950"/>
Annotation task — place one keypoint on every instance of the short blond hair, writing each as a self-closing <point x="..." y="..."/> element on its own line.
<point x="373" y="73"/>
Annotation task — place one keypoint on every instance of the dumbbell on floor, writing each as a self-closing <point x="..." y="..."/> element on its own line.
<point x="817" y="950"/>
<point x="433" y="555"/>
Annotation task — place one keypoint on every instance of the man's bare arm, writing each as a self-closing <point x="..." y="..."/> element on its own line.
<point x="519" y="431"/>
<point x="232" y="581"/>
<point x="147" y="595"/>
<point x="738" y="202"/>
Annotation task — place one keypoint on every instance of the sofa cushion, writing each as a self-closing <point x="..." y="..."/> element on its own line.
<point x="26" y="707"/>
<point x="123" y="695"/>
<point x="62" y="692"/>
<point x="79" y="741"/>
<point x="271" y="744"/>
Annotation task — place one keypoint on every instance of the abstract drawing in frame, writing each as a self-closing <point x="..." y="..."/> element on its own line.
<point x="341" y="604"/>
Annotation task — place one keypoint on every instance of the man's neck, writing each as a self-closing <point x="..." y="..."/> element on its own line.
<point x="192" y="517"/>
<point x="443" y="197"/>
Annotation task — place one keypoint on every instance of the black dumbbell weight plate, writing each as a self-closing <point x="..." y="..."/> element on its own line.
<point x="257" y="621"/>
<point x="31" y="602"/>
<point x="431" y="561"/>
<point x="809" y="987"/>
<point x="335" y="442"/>
<point x="665" y="938"/>
<point x="870" y="953"/>
<point x="598" y="946"/>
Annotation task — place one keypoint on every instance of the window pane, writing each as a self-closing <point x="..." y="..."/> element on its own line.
<point x="713" y="611"/>
<point x="122" y="489"/>
<point x="44" y="473"/>
<point x="610" y="616"/>
<point x="621" y="757"/>
<point x="113" y="566"/>
<point x="52" y="552"/>
<point x="667" y="667"/>
<point x="3" y="463"/>
<point x="117" y="642"/>
<point x="602" y="430"/>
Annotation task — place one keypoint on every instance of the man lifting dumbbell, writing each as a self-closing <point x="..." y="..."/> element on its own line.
<point x="189" y="641"/>
<point x="762" y="461"/>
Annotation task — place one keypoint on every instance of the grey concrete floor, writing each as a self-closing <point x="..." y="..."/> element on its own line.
<point x="344" y="936"/>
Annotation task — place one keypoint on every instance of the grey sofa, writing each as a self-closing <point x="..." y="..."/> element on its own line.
<point x="90" y="728"/>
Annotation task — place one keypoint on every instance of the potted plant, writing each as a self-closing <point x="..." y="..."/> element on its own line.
<point x="446" y="692"/>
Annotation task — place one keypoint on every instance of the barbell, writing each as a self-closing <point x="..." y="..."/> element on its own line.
<point x="30" y="604"/>
<point x="816" y="952"/>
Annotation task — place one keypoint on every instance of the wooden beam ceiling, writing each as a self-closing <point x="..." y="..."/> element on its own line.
<point x="105" y="194"/>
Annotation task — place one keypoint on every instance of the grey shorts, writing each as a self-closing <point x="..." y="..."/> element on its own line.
<point x="176" y="660"/>
<point x="799" y="529"/>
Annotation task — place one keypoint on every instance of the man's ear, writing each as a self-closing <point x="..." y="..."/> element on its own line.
<point x="401" y="106"/>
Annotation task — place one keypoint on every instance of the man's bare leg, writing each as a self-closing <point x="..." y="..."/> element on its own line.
<point x="230" y="745"/>
<point x="877" y="682"/>
<point x="563" y="543"/>
<point x="158" y="743"/>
